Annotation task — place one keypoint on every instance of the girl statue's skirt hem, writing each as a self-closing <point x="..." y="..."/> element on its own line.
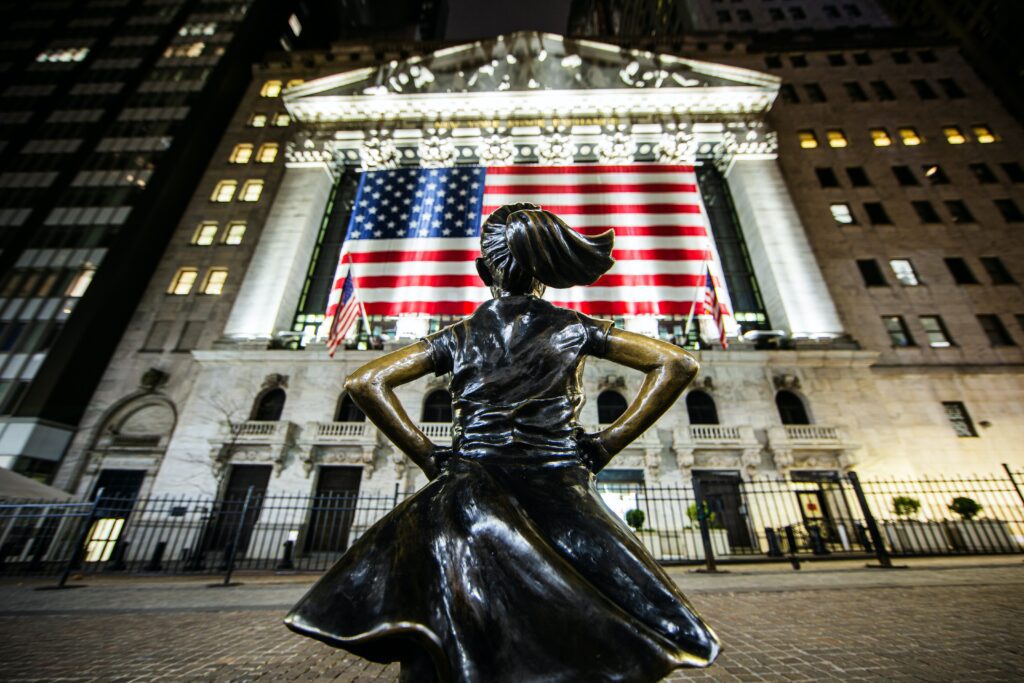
<point x="507" y="572"/>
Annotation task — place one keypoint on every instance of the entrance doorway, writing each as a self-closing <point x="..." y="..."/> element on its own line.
<point x="119" y="489"/>
<point x="333" y="508"/>
<point x="228" y="516"/>
<point x="823" y="507"/>
<point x="723" y="496"/>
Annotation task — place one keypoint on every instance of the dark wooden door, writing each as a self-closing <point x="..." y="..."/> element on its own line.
<point x="725" y="501"/>
<point x="228" y="512"/>
<point x="333" y="508"/>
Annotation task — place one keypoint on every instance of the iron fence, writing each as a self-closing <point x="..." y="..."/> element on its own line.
<point x="716" y="518"/>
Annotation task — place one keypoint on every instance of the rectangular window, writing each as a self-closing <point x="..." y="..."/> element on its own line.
<point x="189" y="338"/>
<point x="861" y="58"/>
<point x="925" y="211"/>
<point x="957" y="415"/>
<point x="744" y="15"/>
<point x="826" y="177"/>
<point x="724" y="16"/>
<point x="880" y="137"/>
<point x="773" y="62"/>
<point x="858" y="177"/>
<point x="1010" y="211"/>
<point x="855" y="92"/>
<point x="224" y="191"/>
<point x="958" y="211"/>
<point x="871" y="273"/>
<point x="836" y="138"/>
<point x="983" y="174"/>
<point x="270" y="89"/>
<point x="837" y="59"/>
<point x="808" y="140"/>
<point x="798" y="61"/>
<point x="904" y="271"/>
<point x="882" y="91"/>
<point x="281" y="120"/>
<point x="983" y="134"/>
<point x="267" y="153"/>
<point x="994" y="329"/>
<point x="923" y="89"/>
<point x="961" y="272"/>
<point x="814" y="92"/>
<point x="81" y="282"/>
<point x="935" y="174"/>
<point x="926" y="56"/>
<point x="205" y="234"/>
<point x="997" y="271"/>
<point x="788" y="93"/>
<point x="935" y="331"/>
<point x="901" y="57"/>
<point x="258" y="121"/>
<point x="251" y="191"/>
<point x="241" y="154"/>
<point x="904" y="176"/>
<point x="842" y="214"/>
<point x="776" y="14"/>
<point x="234" y="233"/>
<point x="899" y="335"/>
<point x="877" y="214"/>
<point x="909" y="136"/>
<point x="214" y="282"/>
<point x="797" y="13"/>
<point x="1013" y="171"/>
<point x="292" y="82"/>
<point x="157" y="336"/>
<point x="183" y="281"/>
<point x="954" y="135"/>
<point x="951" y="88"/>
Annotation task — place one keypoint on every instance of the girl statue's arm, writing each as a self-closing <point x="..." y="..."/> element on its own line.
<point x="372" y="388"/>
<point x="668" y="368"/>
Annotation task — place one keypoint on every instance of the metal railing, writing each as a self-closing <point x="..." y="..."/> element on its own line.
<point x="716" y="519"/>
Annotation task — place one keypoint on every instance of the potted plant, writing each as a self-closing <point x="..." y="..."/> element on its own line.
<point x="908" y="535"/>
<point x="692" y="544"/>
<point x="969" y="534"/>
<point x="649" y="537"/>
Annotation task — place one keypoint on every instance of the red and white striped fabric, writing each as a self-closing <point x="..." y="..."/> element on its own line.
<point x="713" y="308"/>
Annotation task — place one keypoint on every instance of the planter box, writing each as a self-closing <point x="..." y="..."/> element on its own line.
<point x="981" y="535"/>
<point x="910" y="536"/>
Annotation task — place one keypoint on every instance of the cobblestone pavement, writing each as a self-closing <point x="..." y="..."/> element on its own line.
<point x="919" y="624"/>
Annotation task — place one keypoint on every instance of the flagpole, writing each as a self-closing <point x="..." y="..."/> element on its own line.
<point x="693" y="303"/>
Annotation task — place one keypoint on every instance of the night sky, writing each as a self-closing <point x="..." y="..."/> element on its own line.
<point x="475" y="19"/>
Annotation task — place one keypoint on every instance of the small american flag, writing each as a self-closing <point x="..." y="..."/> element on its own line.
<point x="414" y="234"/>
<point x="347" y="313"/>
<point x="713" y="307"/>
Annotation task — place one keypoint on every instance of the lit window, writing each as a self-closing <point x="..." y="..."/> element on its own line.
<point x="953" y="135"/>
<point x="836" y="138"/>
<point x="904" y="271"/>
<point x="251" y="191"/>
<point x="241" y="154"/>
<point x="267" y="153"/>
<point x="294" y="82"/>
<point x="842" y="214"/>
<point x="282" y="120"/>
<point x="205" y="234"/>
<point x="234" y="233"/>
<point x="899" y="335"/>
<point x="880" y="137"/>
<point x="808" y="140"/>
<point x="198" y="28"/>
<point x="189" y="50"/>
<point x="183" y="281"/>
<point x="81" y="282"/>
<point x="257" y="120"/>
<point x="214" y="283"/>
<point x="271" y="89"/>
<point x="67" y="54"/>
<point x="224" y="191"/>
<point x="983" y="134"/>
<point x="958" y="417"/>
<point x="909" y="137"/>
<point x="938" y="338"/>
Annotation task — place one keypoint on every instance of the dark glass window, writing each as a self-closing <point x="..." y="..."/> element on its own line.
<point x="935" y="174"/>
<point x="1011" y="212"/>
<point x="858" y="177"/>
<point x="798" y="61"/>
<point x="876" y="213"/>
<point x="899" y="335"/>
<point x="852" y="11"/>
<point x="814" y="92"/>
<point x="871" y="272"/>
<point x="951" y="88"/>
<point x="701" y="408"/>
<point x="882" y="91"/>
<point x="269" y="406"/>
<point x="861" y="58"/>
<point x="348" y="411"/>
<point x="958" y="211"/>
<point x="724" y="16"/>
<point x="925" y="211"/>
<point x="983" y="174"/>
<point x="901" y="57"/>
<point x="855" y="92"/>
<point x="923" y="89"/>
<point x="776" y="14"/>
<point x="791" y="409"/>
<point x="788" y="93"/>
<point x="610" y="405"/>
<point x="926" y="56"/>
<point x="935" y="331"/>
<point x="744" y="15"/>
<point x="437" y="407"/>
<point x="904" y="176"/>
<point x="773" y="62"/>
<point x="961" y="272"/>
<point x="1013" y="171"/>
<point x="837" y="58"/>
<point x="958" y="417"/>
<point x="797" y="13"/>
<point x="826" y="177"/>
<point x="995" y="330"/>
<point x="832" y="12"/>
<point x="997" y="271"/>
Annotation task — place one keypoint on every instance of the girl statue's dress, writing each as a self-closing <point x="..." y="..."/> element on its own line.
<point x="508" y="566"/>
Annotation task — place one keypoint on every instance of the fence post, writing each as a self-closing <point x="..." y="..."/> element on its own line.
<point x="83" y="536"/>
<point x="705" y="531"/>
<point x="238" y="537"/>
<point x="881" y="553"/>
<point x="1013" y="481"/>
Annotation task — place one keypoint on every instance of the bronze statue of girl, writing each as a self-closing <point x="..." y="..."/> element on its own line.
<point x="507" y="565"/>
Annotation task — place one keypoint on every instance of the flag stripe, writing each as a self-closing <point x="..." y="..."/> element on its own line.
<point x="523" y="169"/>
<point x="606" y="209"/>
<point x="597" y="308"/>
<point x="591" y="188"/>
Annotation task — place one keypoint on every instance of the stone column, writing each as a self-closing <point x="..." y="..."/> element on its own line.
<point x="791" y="282"/>
<point x="270" y="291"/>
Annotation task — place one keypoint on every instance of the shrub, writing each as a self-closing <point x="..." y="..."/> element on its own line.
<point x="635" y="518"/>
<point x="905" y="506"/>
<point x="968" y="508"/>
<point x="694" y="516"/>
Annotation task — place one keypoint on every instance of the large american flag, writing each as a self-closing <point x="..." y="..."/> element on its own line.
<point x="414" y="234"/>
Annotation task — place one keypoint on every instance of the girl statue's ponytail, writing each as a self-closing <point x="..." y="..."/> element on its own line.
<point x="521" y="244"/>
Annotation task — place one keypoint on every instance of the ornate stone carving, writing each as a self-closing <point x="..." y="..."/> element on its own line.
<point x="786" y="382"/>
<point x="684" y="458"/>
<point x="617" y="148"/>
<point x="611" y="382"/>
<point x="496" y="150"/>
<point x="555" y="150"/>
<point x="436" y="152"/>
<point x="152" y="379"/>
<point x="782" y="457"/>
<point x="676" y="148"/>
<point x="275" y="380"/>
<point x="379" y="153"/>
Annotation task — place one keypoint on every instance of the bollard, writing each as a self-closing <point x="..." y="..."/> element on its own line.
<point x="818" y="546"/>
<point x="155" y="563"/>
<point x="794" y="559"/>
<point x="117" y="563"/>
<point x="774" y="547"/>
<point x="286" y="558"/>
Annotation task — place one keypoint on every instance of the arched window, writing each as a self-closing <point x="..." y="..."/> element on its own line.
<point x="269" y="406"/>
<point x="348" y="411"/>
<point x="437" y="407"/>
<point x="610" y="404"/>
<point x="701" y="408"/>
<point x="791" y="409"/>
